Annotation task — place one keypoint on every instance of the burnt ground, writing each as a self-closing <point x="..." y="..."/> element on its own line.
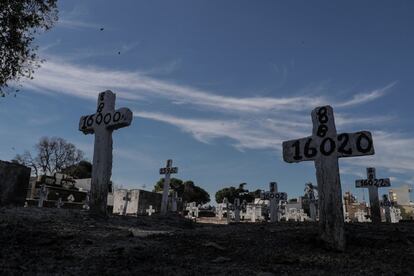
<point x="58" y="241"/>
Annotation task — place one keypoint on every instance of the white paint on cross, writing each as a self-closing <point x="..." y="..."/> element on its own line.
<point x="372" y="183"/>
<point x="150" y="211"/>
<point x="324" y="147"/>
<point x="168" y="170"/>
<point x="102" y="123"/>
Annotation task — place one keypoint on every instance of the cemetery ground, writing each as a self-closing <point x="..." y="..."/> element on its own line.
<point x="71" y="242"/>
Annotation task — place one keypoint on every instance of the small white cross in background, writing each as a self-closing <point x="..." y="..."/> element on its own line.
<point x="150" y="211"/>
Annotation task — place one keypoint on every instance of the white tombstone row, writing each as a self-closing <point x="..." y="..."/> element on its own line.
<point x="150" y="211"/>
<point x="102" y="124"/>
<point x="167" y="171"/>
<point x="372" y="183"/>
<point x="361" y="216"/>
<point x="324" y="147"/>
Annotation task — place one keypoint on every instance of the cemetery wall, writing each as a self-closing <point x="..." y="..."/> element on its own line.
<point x="138" y="201"/>
<point x="14" y="182"/>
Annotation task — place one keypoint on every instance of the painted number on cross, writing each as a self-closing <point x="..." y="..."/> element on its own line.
<point x="168" y="170"/>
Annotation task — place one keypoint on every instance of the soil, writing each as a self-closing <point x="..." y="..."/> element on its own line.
<point x="57" y="241"/>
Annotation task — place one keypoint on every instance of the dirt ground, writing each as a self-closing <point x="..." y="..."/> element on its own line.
<point x="56" y="241"/>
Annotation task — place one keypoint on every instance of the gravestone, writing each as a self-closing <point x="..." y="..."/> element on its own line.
<point x="14" y="181"/>
<point x="372" y="183"/>
<point x="387" y="208"/>
<point x="43" y="192"/>
<point x="253" y="214"/>
<point x="226" y="203"/>
<point x="59" y="203"/>
<point x="324" y="147"/>
<point x="309" y="189"/>
<point x="237" y="210"/>
<point x="168" y="170"/>
<point x="102" y="124"/>
<point x="274" y="198"/>
<point x="174" y="199"/>
<point x="220" y="211"/>
<point x="361" y="216"/>
<point x="150" y="211"/>
<point x="126" y="199"/>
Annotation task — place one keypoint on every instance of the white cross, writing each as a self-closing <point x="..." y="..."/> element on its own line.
<point x="150" y="211"/>
<point x="324" y="147"/>
<point x="274" y="197"/>
<point x="372" y="183"/>
<point x="168" y="170"/>
<point x="102" y="123"/>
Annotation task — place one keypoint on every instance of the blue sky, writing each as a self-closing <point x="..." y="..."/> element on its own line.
<point x="218" y="85"/>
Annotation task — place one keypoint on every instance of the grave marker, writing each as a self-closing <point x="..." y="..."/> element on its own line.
<point x="226" y="202"/>
<point x="372" y="183"/>
<point x="126" y="199"/>
<point x="387" y="208"/>
<point x="168" y="170"/>
<point x="237" y="210"/>
<point x="150" y="211"/>
<point x="102" y="124"/>
<point x="43" y="192"/>
<point x="274" y="197"/>
<point x="324" y="147"/>
<point x="309" y="189"/>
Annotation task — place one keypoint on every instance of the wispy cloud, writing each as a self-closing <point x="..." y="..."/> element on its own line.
<point x="85" y="82"/>
<point x="76" y="24"/>
<point x="248" y="122"/>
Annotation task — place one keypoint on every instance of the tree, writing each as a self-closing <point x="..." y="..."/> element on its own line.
<point x="232" y="193"/>
<point x="187" y="190"/>
<point x="52" y="155"/>
<point x="80" y="170"/>
<point x="19" y="22"/>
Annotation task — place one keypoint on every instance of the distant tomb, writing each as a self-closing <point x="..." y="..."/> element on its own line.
<point x="14" y="181"/>
<point x="135" y="202"/>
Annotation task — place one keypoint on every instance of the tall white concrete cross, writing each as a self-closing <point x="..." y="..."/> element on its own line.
<point x="168" y="170"/>
<point x="150" y="211"/>
<point x="324" y="147"/>
<point x="372" y="183"/>
<point x="102" y="123"/>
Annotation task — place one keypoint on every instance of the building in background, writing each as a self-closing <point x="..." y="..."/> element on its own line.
<point x="401" y="197"/>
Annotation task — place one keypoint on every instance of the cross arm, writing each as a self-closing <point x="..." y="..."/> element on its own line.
<point x="363" y="183"/>
<point x="342" y="145"/>
<point x="169" y="170"/>
<point x="112" y="120"/>
<point x="119" y="118"/>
